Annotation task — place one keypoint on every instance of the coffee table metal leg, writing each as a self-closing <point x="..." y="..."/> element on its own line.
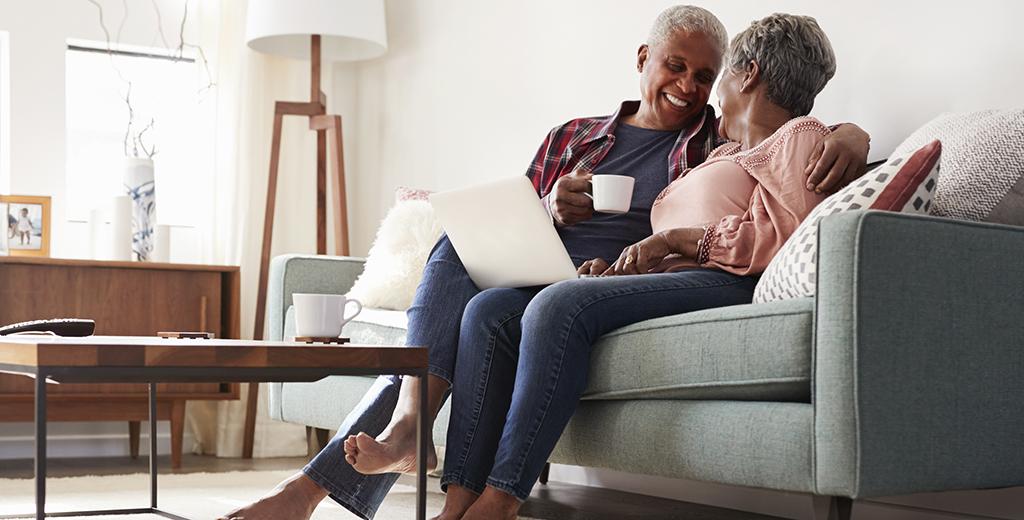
<point x="152" y="445"/>
<point x="40" y="446"/>
<point x="422" y="442"/>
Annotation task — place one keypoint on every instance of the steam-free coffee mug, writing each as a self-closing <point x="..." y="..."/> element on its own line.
<point x="322" y="315"/>
<point x="612" y="193"/>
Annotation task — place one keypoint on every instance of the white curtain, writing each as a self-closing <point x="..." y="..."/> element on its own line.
<point x="247" y="85"/>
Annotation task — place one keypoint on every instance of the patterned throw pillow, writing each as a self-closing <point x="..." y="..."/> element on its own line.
<point x="904" y="183"/>
<point x="982" y="164"/>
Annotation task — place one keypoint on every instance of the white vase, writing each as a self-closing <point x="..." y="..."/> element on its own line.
<point x="140" y="186"/>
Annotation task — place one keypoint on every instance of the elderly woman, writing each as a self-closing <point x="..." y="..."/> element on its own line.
<point x="515" y="360"/>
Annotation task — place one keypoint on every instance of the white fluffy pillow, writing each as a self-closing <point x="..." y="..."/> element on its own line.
<point x="399" y="253"/>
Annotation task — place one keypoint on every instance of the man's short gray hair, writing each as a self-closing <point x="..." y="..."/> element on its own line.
<point x="793" y="54"/>
<point x="691" y="19"/>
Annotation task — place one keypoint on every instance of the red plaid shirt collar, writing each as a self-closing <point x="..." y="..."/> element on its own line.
<point x="581" y="144"/>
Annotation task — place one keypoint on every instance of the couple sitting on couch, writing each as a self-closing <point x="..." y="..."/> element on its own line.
<point x="515" y="361"/>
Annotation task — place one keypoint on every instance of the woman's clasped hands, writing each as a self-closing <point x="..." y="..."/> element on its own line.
<point x="646" y="254"/>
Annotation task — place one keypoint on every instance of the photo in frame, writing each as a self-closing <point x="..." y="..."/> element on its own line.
<point x="3" y="243"/>
<point x="27" y="231"/>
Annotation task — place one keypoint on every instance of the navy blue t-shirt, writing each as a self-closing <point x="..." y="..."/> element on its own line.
<point x="639" y="153"/>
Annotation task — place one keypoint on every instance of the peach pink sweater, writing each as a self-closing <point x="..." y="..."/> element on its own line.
<point x="755" y="199"/>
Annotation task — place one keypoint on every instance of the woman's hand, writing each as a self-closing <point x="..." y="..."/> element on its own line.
<point x="593" y="267"/>
<point x="640" y="257"/>
<point x="838" y="159"/>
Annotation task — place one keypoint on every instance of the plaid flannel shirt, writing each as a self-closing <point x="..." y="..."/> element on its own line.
<point x="581" y="144"/>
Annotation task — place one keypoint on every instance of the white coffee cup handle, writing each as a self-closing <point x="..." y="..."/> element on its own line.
<point x="591" y="181"/>
<point x="346" y="319"/>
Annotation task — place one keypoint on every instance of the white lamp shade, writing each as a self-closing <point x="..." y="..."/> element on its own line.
<point x="350" y="29"/>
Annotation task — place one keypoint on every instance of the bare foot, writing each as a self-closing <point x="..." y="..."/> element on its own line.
<point x="493" y="505"/>
<point x="295" y="499"/>
<point x="457" y="501"/>
<point x="393" y="451"/>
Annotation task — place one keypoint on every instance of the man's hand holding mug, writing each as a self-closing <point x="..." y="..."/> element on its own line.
<point x="572" y="202"/>
<point x="569" y="203"/>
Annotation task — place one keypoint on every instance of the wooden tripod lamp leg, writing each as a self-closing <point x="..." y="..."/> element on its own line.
<point x="339" y="197"/>
<point x="261" y="292"/>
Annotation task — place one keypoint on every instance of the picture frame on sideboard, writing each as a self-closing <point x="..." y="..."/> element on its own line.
<point x="27" y="229"/>
<point x="4" y="237"/>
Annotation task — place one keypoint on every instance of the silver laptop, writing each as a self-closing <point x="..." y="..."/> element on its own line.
<point x="503" y="235"/>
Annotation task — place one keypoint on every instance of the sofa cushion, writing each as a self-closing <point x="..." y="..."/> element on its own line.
<point x="748" y="352"/>
<point x="744" y="352"/>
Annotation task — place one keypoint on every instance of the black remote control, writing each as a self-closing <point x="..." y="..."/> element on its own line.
<point x="61" y="326"/>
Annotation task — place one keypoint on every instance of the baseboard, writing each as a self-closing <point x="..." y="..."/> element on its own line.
<point x="996" y="504"/>
<point x="83" y="440"/>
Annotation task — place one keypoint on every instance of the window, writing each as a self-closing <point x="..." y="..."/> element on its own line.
<point x="169" y="92"/>
<point x="5" y="115"/>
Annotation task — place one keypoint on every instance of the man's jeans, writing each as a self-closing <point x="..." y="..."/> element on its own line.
<point x="489" y="366"/>
<point x="434" y="319"/>
<point x="524" y="358"/>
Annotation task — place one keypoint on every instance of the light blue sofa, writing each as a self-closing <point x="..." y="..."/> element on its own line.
<point x="904" y="374"/>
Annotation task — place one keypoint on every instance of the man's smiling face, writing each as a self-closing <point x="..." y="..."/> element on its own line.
<point x="675" y="80"/>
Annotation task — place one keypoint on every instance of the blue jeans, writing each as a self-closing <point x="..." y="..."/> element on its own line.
<point x="524" y="357"/>
<point x="436" y="311"/>
<point x="442" y="318"/>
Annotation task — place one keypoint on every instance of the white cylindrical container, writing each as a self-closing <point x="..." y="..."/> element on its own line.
<point x="97" y="225"/>
<point x="121" y="229"/>
<point x="140" y="186"/>
<point x="162" y="244"/>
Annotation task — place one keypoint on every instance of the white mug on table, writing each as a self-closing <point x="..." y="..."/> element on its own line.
<point x="322" y="315"/>
<point x="612" y="193"/>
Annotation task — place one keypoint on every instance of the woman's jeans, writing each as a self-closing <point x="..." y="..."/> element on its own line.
<point x="519" y="358"/>
<point x="524" y="357"/>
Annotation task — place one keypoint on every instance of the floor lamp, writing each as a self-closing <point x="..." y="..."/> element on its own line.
<point x="334" y="30"/>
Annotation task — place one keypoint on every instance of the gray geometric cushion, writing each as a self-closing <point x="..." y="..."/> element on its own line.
<point x="982" y="164"/>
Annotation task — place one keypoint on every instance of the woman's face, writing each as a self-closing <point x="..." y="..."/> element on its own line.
<point x="675" y="80"/>
<point x="729" y="101"/>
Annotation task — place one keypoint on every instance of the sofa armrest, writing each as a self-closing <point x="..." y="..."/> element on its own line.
<point x="290" y="274"/>
<point x="918" y="371"/>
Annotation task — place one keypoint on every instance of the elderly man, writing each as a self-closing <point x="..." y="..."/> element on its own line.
<point x="655" y="140"/>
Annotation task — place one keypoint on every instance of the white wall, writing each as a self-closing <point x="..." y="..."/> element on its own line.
<point x="468" y="89"/>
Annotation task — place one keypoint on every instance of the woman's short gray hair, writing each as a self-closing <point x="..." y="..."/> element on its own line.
<point x="793" y="54"/>
<point x="691" y="19"/>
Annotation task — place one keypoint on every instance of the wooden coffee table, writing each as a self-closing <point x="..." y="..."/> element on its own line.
<point x="124" y="359"/>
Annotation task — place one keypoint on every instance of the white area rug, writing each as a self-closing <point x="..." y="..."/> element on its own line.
<point x="194" y="495"/>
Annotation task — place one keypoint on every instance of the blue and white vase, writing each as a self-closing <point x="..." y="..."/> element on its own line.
<point x="141" y="188"/>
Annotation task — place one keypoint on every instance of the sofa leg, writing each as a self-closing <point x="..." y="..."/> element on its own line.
<point x="832" y="508"/>
<point x="544" y="473"/>
<point x="316" y="440"/>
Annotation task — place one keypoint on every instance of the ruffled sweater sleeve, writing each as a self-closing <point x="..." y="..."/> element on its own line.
<point x="745" y="244"/>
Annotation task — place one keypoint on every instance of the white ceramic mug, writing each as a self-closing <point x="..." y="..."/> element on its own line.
<point x="322" y="315"/>
<point x="612" y="193"/>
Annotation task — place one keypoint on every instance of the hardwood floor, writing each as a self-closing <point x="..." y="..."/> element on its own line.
<point x="554" y="501"/>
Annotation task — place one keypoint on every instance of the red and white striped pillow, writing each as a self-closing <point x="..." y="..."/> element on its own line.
<point x="905" y="183"/>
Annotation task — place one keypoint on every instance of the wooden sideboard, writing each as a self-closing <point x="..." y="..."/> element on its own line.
<point x="124" y="298"/>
